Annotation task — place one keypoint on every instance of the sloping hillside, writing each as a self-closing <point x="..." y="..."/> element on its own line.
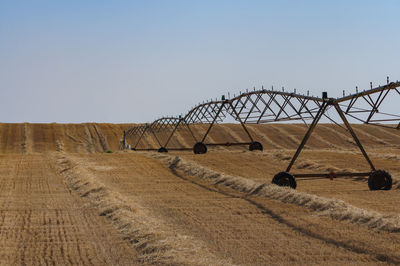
<point x="100" y="137"/>
<point x="75" y="138"/>
<point x="277" y="136"/>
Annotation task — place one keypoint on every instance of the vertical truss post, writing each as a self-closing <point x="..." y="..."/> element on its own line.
<point x="124" y="140"/>
<point x="308" y="134"/>
<point x="353" y="134"/>
<point x="213" y="122"/>
<point x="241" y="122"/>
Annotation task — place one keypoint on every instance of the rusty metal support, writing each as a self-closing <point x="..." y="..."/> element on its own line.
<point x="329" y="175"/>
<point x="307" y="135"/>
<point x="315" y="122"/>
<point x="266" y="106"/>
<point x="141" y="136"/>
<point x="124" y="139"/>
<point x="213" y="122"/>
<point x="241" y="123"/>
<point x="155" y="136"/>
<point x="353" y="134"/>
<point x="191" y="132"/>
<point x="172" y="133"/>
<point x="228" y="144"/>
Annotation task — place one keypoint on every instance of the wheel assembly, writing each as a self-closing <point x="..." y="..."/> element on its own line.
<point x="380" y="180"/>
<point x="133" y="149"/>
<point x="255" y="146"/>
<point x="162" y="149"/>
<point x="284" y="179"/>
<point x="199" y="148"/>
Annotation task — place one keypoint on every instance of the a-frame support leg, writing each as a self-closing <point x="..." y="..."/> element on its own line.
<point x="124" y="141"/>
<point x="308" y="134"/>
<point x="191" y="132"/>
<point x="172" y="133"/>
<point x="213" y="122"/>
<point x="155" y="136"/>
<point x="140" y="138"/>
<point x="353" y="134"/>
<point x="315" y="122"/>
<point x="176" y="127"/>
<point x="241" y="122"/>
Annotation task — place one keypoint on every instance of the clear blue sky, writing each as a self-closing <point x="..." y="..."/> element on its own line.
<point x="132" y="61"/>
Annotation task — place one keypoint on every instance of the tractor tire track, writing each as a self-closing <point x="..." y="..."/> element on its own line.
<point x="382" y="257"/>
<point x="231" y="225"/>
<point x="41" y="223"/>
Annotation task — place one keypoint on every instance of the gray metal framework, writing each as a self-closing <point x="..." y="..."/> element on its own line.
<point x="267" y="106"/>
<point x="160" y="125"/>
<point x="254" y="107"/>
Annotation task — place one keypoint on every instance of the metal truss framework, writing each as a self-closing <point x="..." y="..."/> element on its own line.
<point x="255" y="107"/>
<point x="266" y="106"/>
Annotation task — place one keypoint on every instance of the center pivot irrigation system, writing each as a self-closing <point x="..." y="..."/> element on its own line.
<point x="267" y="106"/>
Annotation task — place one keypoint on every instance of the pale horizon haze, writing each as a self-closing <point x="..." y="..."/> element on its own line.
<point x="134" y="61"/>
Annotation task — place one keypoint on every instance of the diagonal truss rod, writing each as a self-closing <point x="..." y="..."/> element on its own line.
<point x="267" y="106"/>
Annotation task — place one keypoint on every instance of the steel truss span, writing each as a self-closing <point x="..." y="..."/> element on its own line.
<point x="268" y="106"/>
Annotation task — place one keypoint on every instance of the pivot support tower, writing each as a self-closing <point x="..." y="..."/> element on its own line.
<point x="267" y="106"/>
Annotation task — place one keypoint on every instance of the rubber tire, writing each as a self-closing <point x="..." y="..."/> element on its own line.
<point x="162" y="149"/>
<point x="380" y="180"/>
<point x="199" y="148"/>
<point x="284" y="179"/>
<point x="255" y="146"/>
<point x="133" y="149"/>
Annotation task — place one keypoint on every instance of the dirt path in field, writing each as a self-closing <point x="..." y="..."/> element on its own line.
<point x="42" y="223"/>
<point x="249" y="230"/>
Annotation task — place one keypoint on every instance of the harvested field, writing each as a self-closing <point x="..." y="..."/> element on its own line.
<point x="43" y="222"/>
<point x="66" y="201"/>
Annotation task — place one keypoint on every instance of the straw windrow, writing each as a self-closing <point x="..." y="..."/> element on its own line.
<point x="334" y="208"/>
<point x="155" y="242"/>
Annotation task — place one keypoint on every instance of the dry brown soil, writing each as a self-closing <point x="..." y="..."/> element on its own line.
<point x="67" y="202"/>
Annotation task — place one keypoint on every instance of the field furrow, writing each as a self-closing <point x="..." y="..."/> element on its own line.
<point x="42" y="223"/>
<point x="69" y="196"/>
<point x="247" y="229"/>
<point x="261" y="167"/>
